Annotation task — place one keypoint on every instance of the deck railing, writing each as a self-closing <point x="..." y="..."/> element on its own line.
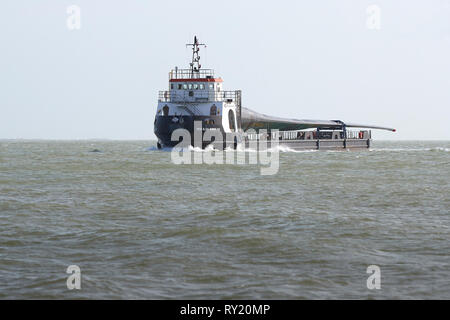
<point x="313" y="135"/>
<point x="197" y="96"/>
<point x="189" y="74"/>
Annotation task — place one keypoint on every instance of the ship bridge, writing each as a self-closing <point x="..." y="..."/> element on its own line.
<point x="187" y="85"/>
<point x="190" y="86"/>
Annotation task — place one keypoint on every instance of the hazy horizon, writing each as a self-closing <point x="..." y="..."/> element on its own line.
<point x="155" y="140"/>
<point x="290" y="59"/>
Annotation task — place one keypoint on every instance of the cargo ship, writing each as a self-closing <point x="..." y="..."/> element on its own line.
<point x="196" y="110"/>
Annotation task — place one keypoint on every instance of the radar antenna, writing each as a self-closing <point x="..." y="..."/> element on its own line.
<point x="195" y="64"/>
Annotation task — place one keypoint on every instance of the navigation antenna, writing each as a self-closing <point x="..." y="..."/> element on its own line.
<point x="195" y="64"/>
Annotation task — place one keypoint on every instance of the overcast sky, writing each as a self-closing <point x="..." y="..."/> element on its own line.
<point x="297" y="59"/>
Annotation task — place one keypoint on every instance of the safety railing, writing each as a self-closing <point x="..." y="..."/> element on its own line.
<point x="312" y="135"/>
<point x="189" y="74"/>
<point x="198" y="96"/>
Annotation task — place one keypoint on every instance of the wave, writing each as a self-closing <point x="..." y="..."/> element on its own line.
<point x="436" y="149"/>
<point x="281" y="148"/>
<point x="441" y="149"/>
<point x="285" y="149"/>
<point x="154" y="148"/>
<point x="240" y="148"/>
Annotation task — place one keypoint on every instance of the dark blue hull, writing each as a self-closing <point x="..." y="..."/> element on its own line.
<point x="166" y="125"/>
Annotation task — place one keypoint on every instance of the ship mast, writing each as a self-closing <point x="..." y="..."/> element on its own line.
<point x="195" y="64"/>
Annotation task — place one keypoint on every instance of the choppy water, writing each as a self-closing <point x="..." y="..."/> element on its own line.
<point x="139" y="226"/>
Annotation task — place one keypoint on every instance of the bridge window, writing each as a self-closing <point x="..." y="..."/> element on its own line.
<point x="190" y="86"/>
<point x="211" y="85"/>
<point x="180" y="87"/>
<point x="213" y="110"/>
<point x="166" y="110"/>
<point x="195" y="86"/>
<point x="202" y="86"/>
<point x="171" y="86"/>
<point x="185" y="86"/>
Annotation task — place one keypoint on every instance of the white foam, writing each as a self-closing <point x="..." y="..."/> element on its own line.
<point x="281" y="148"/>
<point x="240" y="148"/>
<point x="286" y="149"/>
<point x="410" y="149"/>
<point x="441" y="149"/>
